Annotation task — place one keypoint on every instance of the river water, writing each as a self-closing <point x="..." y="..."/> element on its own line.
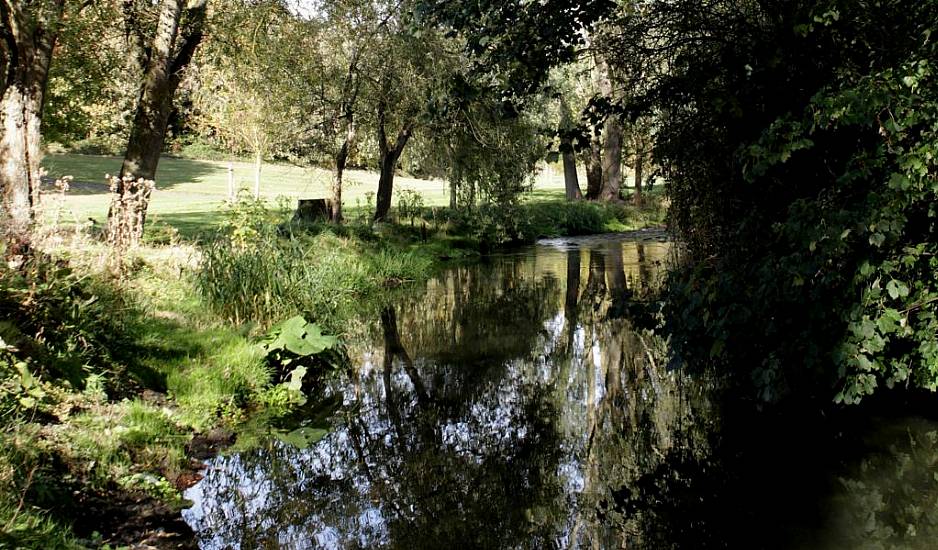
<point x="515" y="403"/>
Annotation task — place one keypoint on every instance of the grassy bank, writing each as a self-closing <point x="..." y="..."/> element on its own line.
<point x="114" y="380"/>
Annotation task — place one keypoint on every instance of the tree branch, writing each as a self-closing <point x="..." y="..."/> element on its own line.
<point x="195" y="29"/>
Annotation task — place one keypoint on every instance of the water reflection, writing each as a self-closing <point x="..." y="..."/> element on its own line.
<point x="512" y="404"/>
<point x="482" y="401"/>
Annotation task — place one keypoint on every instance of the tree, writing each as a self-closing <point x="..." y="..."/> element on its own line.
<point x="178" y="32"/>
<point x="641" y="147"/>
<point x="346" y="45"/>
<point x="410" y="74"/>
<point x="29" y="31"/>
<point x="90" y="99"/>
<point x="244" y="96"/>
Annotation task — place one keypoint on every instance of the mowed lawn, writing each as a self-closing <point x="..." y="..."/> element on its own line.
<point x="190" y="193"/>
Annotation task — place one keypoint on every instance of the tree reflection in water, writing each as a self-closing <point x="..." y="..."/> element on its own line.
<point x="506" y="406"/>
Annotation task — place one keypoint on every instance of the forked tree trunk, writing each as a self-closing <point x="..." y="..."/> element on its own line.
<point x="169" y="55"/>
<point x="27" y="46"/>
<point x="388" y="155"/>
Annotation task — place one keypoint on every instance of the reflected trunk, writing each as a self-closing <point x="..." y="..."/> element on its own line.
<point x="572" y="294"/>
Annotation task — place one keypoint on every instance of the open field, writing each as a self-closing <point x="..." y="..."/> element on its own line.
<point x="189" y="192"/>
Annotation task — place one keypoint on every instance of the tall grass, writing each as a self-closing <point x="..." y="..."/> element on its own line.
<point x="322" y="276"/>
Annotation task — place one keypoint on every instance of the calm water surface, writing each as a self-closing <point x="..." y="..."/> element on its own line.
<point x="513" y="403"/>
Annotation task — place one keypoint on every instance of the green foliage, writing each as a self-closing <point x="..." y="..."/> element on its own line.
<point x="409" y="204"/>
<point x="61" y="323"/>
<point x="889" y="500"/>
<point x="27" y="473"/>
<point x="298" y="345"/>
<point x="811" y="250"/>
<point x="508" y="223"/>
<point x="297" y="336"/>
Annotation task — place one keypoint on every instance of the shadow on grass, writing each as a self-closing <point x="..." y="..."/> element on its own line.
<point x="192" y="226"/>
<point x="88" y="171"/>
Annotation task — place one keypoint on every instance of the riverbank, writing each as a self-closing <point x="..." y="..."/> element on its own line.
<point x="120" y="379"/>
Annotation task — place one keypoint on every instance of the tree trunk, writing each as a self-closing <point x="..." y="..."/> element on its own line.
<point x="615" y="270"/>
<point x="611" y="161"/>
<point x="258" y="164"/>
<point x="168" y="58"/>
<point x="155" y="99"/>
<point x="612" y="138"/>
<point x="388" y="155"/>
<point x="231" y="183"/>
<point x="571" y="182"/>
<point x="594" y="172"/>
<point x="453" y="177"/>
<point x="572" y="295"/>
<point x="639" y="166"/>
<point x="388" y="164"/>
<point x="27" y="46"/>
<point x="596" y="282"/>
<point x="341" y="160"/>
<point x="17" y="180"/>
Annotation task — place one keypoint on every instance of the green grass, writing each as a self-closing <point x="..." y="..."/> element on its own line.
<point x="190" y="192"/>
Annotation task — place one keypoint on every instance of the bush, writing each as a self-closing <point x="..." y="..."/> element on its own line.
<point x="112" y="145"/>
<point x="196" y="148"/>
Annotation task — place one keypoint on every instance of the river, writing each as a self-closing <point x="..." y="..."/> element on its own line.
<point x="515" y="403"/>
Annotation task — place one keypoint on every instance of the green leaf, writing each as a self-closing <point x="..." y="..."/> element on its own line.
<point x="892" y="289"/>
<point x="899" y="181"/>
<point x="298" y="336"/>
<point x="897" y="289"/>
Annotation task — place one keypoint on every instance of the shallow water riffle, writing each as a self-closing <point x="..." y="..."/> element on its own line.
<point x="515" y="403"/>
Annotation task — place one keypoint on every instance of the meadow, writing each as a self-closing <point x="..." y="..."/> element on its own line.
<point x="190" y="192"/>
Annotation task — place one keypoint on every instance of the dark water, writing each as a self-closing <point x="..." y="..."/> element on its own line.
<point x="513" y="403"/>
